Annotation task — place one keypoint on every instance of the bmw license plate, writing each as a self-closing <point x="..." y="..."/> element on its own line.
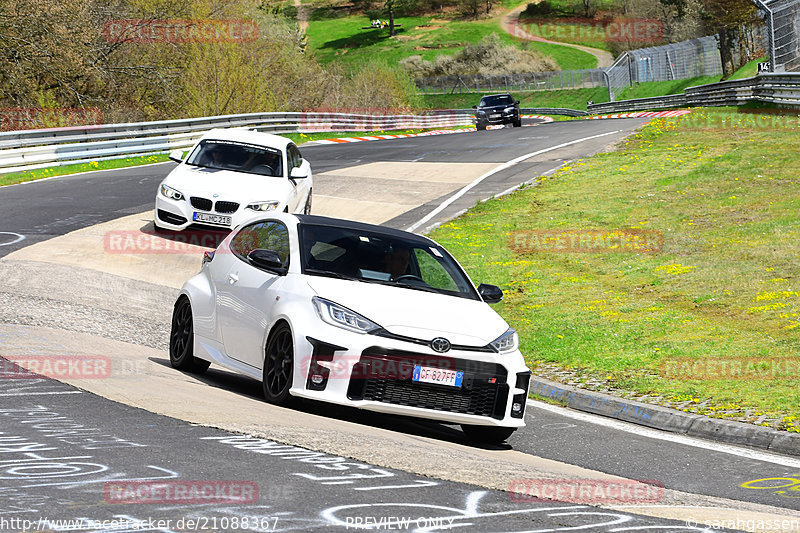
<point x="427" y="374"/>
<point x="207" y="218"/>
<point x="496" y="115"/>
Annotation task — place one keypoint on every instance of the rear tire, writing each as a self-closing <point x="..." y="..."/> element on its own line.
<point x="487" y="434"/>
<point x="181" y="339"/>
<point x="278" y="369"/>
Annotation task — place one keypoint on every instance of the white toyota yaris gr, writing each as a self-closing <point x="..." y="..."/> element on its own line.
<point x="230" y="175"/>
<point x="357" y="315"/>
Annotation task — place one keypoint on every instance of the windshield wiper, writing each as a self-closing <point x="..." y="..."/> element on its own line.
<point x="330" y="273"/>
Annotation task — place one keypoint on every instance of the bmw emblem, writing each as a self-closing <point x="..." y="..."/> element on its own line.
<point x="440" y="345"/>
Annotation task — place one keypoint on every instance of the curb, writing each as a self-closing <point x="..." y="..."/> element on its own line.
<point x="642" y="114"/>
<point x="666" y="419"/>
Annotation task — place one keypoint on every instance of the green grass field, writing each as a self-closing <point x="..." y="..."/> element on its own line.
<point x="343" y="40"/>
<point x="723" y="287"/>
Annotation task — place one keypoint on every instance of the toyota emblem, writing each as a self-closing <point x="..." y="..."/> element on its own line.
<point x="440" y="345"/>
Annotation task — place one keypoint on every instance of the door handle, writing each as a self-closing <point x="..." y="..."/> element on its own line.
<point x="233" y="278"/>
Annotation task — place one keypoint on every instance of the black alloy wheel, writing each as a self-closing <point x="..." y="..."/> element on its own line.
<point x="181" y="339"/>
<point x="278" y="366"/>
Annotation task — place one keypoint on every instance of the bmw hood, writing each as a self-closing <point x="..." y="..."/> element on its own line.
<point x="231" y="186"/>
<point x="415" y="313"/>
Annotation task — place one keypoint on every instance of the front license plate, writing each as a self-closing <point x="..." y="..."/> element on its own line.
<point x="427" y="374"/>
<point x="207" y="218"/>
<point x="495" y="116"/>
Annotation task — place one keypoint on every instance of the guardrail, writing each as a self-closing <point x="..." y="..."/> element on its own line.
<point x="32" y="149"/>
<point x="781" y="89"/>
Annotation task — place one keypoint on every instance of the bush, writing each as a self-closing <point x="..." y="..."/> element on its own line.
<point x="489" y="57"/>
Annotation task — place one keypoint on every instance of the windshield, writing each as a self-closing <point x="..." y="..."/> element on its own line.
<point x="379" y="258"/>
<point x="488" y="101"/>
<point x="240" y="157"/>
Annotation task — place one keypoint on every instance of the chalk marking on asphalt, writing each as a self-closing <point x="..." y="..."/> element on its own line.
<point x="670" y="437"/>
<point x="15" y="241"/>
<point x="464" y="190"/>
<point x="41" y="393"/>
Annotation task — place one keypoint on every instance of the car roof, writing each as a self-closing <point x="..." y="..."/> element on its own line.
<point x="248" y="136"/>
<point x="362" y="226"/>
<point x="490" y="95"/>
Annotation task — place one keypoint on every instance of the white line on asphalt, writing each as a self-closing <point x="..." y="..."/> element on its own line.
<point x="15" y="241"/>
<point x="464" y="190"/>
<point x="41" y="393"/>
<point x="49" y="178"/>
<point x="670" y="437"/>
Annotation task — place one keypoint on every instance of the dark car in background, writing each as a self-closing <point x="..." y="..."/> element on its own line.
<point x="497" y="109"/>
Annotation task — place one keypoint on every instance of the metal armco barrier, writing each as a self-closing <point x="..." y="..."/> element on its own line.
<point x="781" y="89"/>
<point x="32" y="149"/>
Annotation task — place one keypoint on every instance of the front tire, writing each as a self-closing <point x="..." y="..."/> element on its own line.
<point x="518" y="123"/>
<point x="307" y="208"/>
<point x="487" y="434"/>
<point x="181" y="339"/>
<point x="480" y="127"/>
<point x="278" y="366"/>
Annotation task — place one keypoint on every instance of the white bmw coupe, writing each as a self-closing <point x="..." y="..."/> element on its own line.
<point x="357" y="315"/>
<point x="231" y="175"/>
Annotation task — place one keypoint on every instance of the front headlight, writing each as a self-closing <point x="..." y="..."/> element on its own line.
<point x="342" y="317"/>
<point x="270" y="205"/>
<point x="506" y="342"/>
<point x="171" y="193"/>
<point x="509" y="110"/>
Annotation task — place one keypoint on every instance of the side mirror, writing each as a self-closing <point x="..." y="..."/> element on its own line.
<point x="516" y="102"/>
<point x="176" y="155"/>
<point x="491" y="294"/>
<point x="474" y="107"/>
<point x="302" y="171"/>
<point x="267" y="260"/>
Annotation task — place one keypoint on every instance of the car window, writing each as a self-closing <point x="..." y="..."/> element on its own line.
<point x="496" y="100"/>
<point x="293" y="154"/>
<point x="372" y="257"/>
<point x="269" y="235"/>
<point x="236" y="156"/>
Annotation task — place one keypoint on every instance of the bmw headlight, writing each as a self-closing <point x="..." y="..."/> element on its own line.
<point x="509" y="110"/>
<point x="270" y="205"/>
<point x="342" y="317"/>
<point x="171" y="193"/>
<point x="507" y="342"/>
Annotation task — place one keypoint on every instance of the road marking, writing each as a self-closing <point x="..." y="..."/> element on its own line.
<point x="670" y="437"/>
<point x="504" y="166"/>
<point x="41" y="393"/>
<point x="15" y="241"/>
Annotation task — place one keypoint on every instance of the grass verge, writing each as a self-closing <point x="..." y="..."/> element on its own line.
<point x="724" y="287"/>
<point x="569" y="98"/>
